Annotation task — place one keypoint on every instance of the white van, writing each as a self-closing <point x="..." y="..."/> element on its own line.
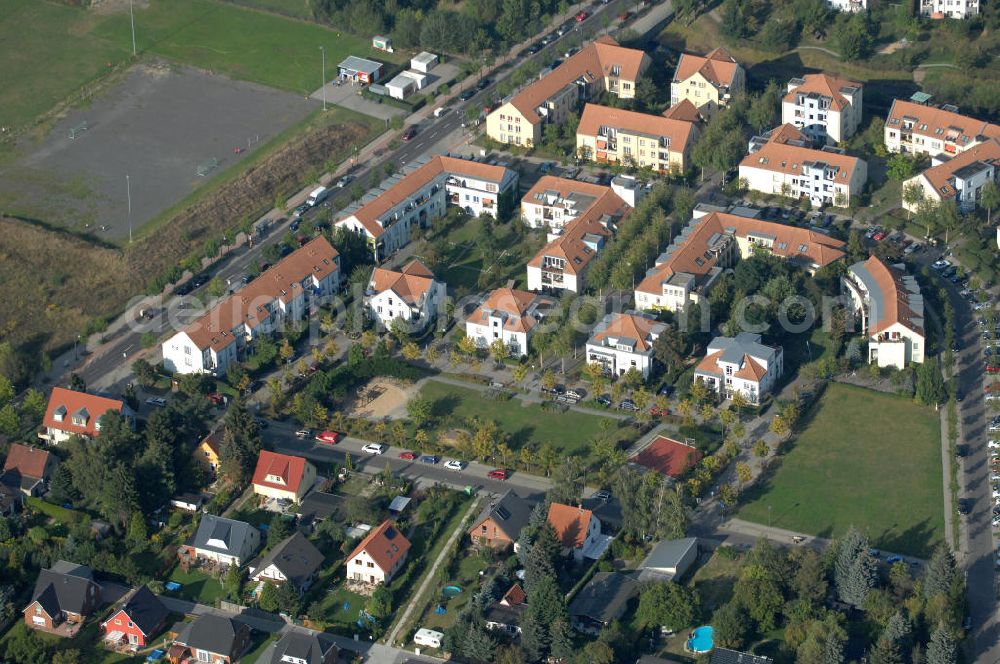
<point x="317" y="196"/>
<point x="428" y="638"/>
<point x="438" y="112"/>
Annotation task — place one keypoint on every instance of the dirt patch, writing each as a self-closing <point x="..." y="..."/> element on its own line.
<point x="382" y="399"/>
<point x="889" y="49"/>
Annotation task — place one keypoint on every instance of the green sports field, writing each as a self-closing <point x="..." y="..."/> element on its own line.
<point x="865" y="458"/>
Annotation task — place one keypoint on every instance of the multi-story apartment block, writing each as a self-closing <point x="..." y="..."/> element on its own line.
<point x="740" y="364"/>
<point x="508" y="315"/>
<point x="891" y="310"/>
<point x="826" y="108"/>
<point x="580" y="217"/>
<point x="387" y="215"/>
<point x="960" y="178"/>
<point x="601" y="65"/>
<point x="848" y="5"/>
<point x="708" y="82"/>
<point x="285" y="293"/>
<point x="938" y="9"/>
<point x="826" y="176"/>
<point x="624" y="341"/>
<point x="919" y="128"/>
<point x="616" y="136"/>
<point x="410" y="294"/>
<point x="712" y="243"/>
<point x="785" y="134"/>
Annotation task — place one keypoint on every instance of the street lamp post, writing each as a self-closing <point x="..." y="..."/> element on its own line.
<point x="323" y="51"/>
<point x="128" y="194"/>
<point x="131" y="15"/>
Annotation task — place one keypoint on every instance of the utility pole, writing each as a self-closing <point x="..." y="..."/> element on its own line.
<point x="131" y="14"/>
<point x="323" y="51"/>
<point x="128" y="193"/>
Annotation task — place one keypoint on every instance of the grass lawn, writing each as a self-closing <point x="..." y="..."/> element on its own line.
<point x="197" y="586"/>
<point x="866" y="459"/>
<point x="569" y="431"/>
<point x="258" y="649"/>
<point x="331" y="608"/>
<point x="468" y="580"/>
<point x="242" y="43"/>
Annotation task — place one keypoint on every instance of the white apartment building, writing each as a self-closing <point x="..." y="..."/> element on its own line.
<point x="848" y="5"/>
<point x="740" y="364"/>
<point x="826" y="108"/>
<point x="919" y="128"/>
<point x="386" y="215"/>
<point x="709" y="82"/>
<point x="509" y="315"/>
<point x="938" y="9"/>
<point x="960" y="178"/>
<point x="624" y="341"/>
<point x="825" y="177"/>
<point x="285" y="293"/>
<point x="411" y="295"/>
<point x="891" y="309"/>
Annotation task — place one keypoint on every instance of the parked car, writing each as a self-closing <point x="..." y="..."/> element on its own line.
<point x="159" y="402"/>
<point x="260" y="422"/>
<point x="344" y="181"/>
<point x="534" y="48"/>
<point x="498" y="474"/>
<point x="604" y="400"/>
<point x="331" y="437"/>
<point x="965" y="506"/>
<point x="659" y="412"/>
<point x="940" y="264"/>
<point x="894" y="559"/>
<point x="408" y="456"/>
<point x="582" y="16"/>
<point x="296" y="213"/>
<point x="454" y="464"/>
<point x="374" y="448"/>
<point x="430" y="459"/>
<point x="303" y="433"/>
<point x="467" y="94"/>
<point x="602" y="495"/>
<point x="409" y="132"/>
<point x="575" y="394"/>
<point x="628" y="404"/>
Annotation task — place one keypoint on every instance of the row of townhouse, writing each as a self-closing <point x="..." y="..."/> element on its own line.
<point x="283" y="294"/>
<point x="386" y="216"/>
<point x="602" y="65"/>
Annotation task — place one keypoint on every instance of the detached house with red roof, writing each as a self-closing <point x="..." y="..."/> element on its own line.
<point x="577" y="529"/>
<point x="27" y="469"/>
<point x="510" y="316"/>
<point x="379" y="556"/>
<point x="140" y="619"/>
<point x="284" y="294"/>
<point x="624" y="341"/>
<point x="826" y="108"/>
<point x="891" y="310"/>
<point x="283" y="476"/>
<point x="77" y="413"/>
<point x="741" y="364"/>
<point x="709" y="82"/>
<point x="411" y="295"/>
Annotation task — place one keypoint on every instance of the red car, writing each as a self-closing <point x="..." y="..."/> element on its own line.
<point x="216" y="399"/>
<point x="993" y="369"/>
<point x="331" y="437"/>
<point x="582" y="16"/>
<point x="498" y="474"/>
<point x="878" y="237"/>
<point x="659" y="412"/>
<point x="409" y="456"/>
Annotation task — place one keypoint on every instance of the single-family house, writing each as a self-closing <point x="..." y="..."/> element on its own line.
<point x="206" y="452"/>
<point x="298" y="646"/>
<point x="294" y="560"/>
<point x="499" y="524"/>
<point x="825" y="107"/>
<point x="891" y="310"/>
<point x="379" y="556"/>
<point x="410" y="295"/>
<point x="508" y="315"/>
<point x="577" y="529"/>
<point x="604" y="599"/>
<point x="223" y="541"/>
<point x="506" y="614"/>
<point x="27" y="469"/>
<point x="64" y="596"/>
<point x="139" y="620"/>
<point x="602" y="65"/>
<point x="213" y="638"/>
<point x="740" y="364"/>
<point x="609" y="135"/>
<point x="709" y="82"/>
<point x="283" y="476"/>
<point x="77" y="413"/>
<point x="669" y="559"/>
<point x="624" y="341"/>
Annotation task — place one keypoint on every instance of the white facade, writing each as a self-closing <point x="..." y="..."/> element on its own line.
<point x="960" y="178"/>
<point x="740" y="364"/>
<point x="401" y="86"/>
<point x="270" y="487"/>
<point x="413" y="298"/>
<point x="623" y="342"/>
<point x="362" y="567"/>
<point x="423" y="62"/>
<point x="848" y="5"/>
<point x="816" y="175"/>
<point x="235" y="557"/>
<point x="949" y="8"/>
<point x="510" y="316"/>
<point x="824" y="108"/>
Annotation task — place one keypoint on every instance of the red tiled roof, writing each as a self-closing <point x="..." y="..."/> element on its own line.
<point x="942" y="177"/>
<point x="570" y="523"/>
<point x="669" y="457"/>
<point x="825" y="85"/>
<point x="29" y="461"/>
<point x="895" y="304"/>
<point x="410" y="283"/>
<point x="751" y="370"/>
<point x="514" y="596"/>
<point x="788" y="159"/>
<point x="385" y="544"/>
<point x="718" y="67"/>
<point x="683" y="110"/>
<point x="514" y="303"/>
<point x="72" y="402"/>
<point x="680" y="132"/>
<point x="629" y="326"/>
<point x="289" y="468"/>
<point x="939" y="124"/>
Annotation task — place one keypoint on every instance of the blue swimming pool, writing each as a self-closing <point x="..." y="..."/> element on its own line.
<point x="701" y="640"/>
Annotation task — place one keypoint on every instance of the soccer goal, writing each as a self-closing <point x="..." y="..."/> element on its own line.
<point x="76" y="131"/>
<point x="207" y="167"/>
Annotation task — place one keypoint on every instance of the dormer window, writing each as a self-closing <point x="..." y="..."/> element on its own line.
<point x="81" y="417"/>
<point x="59" y="414"/>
